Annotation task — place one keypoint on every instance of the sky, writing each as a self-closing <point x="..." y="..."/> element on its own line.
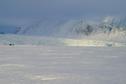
<point x="23" y="11"/>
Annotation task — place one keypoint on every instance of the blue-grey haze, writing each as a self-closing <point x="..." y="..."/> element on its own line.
<point x="17" y="12"/>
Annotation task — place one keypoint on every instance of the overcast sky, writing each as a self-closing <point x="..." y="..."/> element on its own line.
<point x="35" y="9"/>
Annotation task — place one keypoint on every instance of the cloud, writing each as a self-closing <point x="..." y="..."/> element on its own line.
<point x="60" y="8"/>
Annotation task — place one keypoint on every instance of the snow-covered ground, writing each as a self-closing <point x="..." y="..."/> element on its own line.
<point x="62" y="65"/>
<point x="53" y="41"/>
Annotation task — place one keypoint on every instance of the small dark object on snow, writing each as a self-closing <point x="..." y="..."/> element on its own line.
<point x="11" y="44"/>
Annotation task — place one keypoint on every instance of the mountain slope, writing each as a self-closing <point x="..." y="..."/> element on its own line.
<point x="75" y="28"/>
<point x="108" y="29"/>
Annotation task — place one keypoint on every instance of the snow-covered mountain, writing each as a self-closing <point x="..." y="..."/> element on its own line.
<point x="110" y="31"/>
<point x="69" y="28"/>
<point x="75" y="28"/>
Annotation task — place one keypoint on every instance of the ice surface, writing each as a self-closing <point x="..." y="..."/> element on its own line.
<point x="62" y="65"/>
